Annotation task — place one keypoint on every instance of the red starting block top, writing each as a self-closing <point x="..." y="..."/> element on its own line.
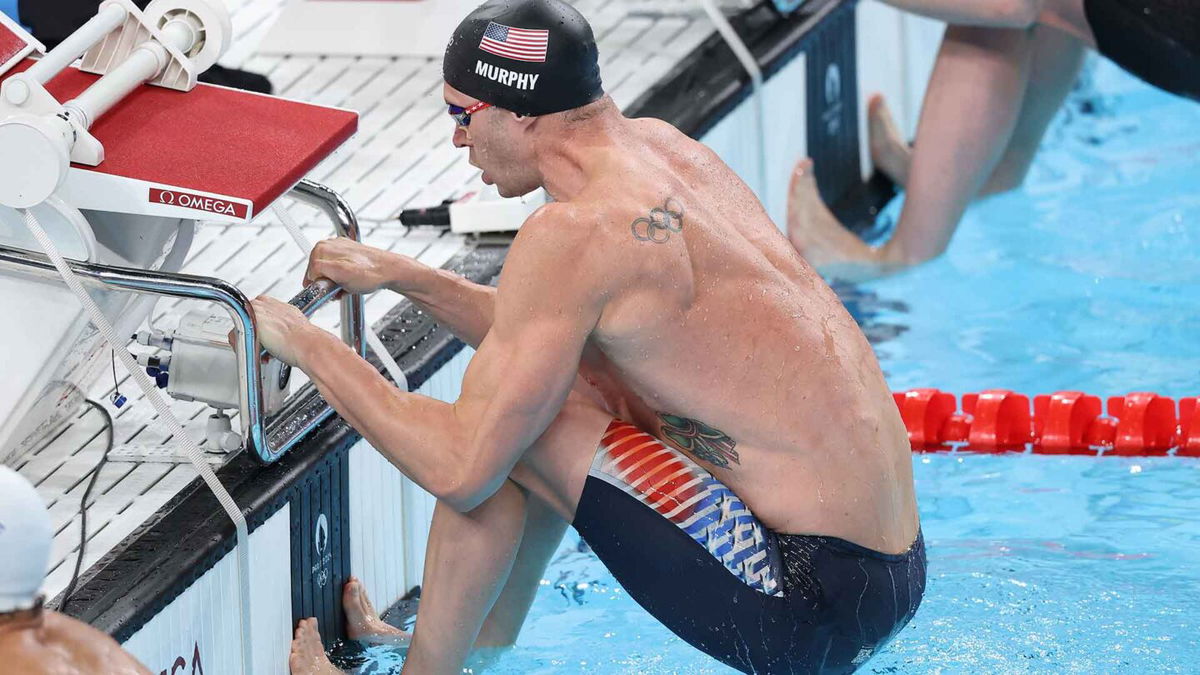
<point x="211" y="150"/>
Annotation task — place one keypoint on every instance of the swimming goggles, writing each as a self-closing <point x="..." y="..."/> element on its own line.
<point x="462" y="116"/>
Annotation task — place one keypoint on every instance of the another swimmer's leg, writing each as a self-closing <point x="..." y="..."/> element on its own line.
<point x="1057" y="59"/>
<point x="467" y="562"/>
<point x="970" y="110"/>
<point x="890" y="153"/>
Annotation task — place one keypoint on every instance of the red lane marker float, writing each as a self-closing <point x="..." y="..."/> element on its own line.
<point x="1001" y="421"/>
<point x="925" y="412"/>
<point x="1062" y="422"/>
<point x="1189" y="427"/>
<point x="1147" y="423"/>
<point x="1066" y="422"/>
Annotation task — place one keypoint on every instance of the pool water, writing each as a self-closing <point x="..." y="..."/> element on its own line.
<point x="1087" y="278"/>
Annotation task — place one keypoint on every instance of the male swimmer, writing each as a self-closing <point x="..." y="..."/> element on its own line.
<point x="657" y="367"/>
<point x="33" y="639"/>
<point x="1004" y="68"/>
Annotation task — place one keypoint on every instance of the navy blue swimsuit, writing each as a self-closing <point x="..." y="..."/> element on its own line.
<point x="1157" y="40"/>
<point x="693" y="555"/>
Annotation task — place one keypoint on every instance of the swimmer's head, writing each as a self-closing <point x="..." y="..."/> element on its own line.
<point x="25" y="539"/>
<point x="531" y="57"/>
<point x="527" y="60"/>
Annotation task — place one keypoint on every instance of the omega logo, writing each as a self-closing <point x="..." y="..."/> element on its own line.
<point x="196" y="202"/>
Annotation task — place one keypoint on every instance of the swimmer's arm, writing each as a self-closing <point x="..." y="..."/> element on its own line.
<point x="457" y="303"/>
<point x="466" y="308"/>
<point x="546" y="306"/>
<point x="463" y="306"/>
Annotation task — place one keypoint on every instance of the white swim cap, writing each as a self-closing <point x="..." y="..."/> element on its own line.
<point x="25" y="538"/>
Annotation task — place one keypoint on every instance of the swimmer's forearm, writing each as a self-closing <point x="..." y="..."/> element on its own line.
<point x="463" y="306"/>
<point x="420" y="436"/>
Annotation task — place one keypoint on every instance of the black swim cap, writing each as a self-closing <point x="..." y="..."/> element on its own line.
<point x="533" y="57"/>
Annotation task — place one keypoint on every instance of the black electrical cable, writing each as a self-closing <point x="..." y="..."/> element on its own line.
<point x="87" y="492"/>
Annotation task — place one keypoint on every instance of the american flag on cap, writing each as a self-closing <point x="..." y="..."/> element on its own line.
<point x="518" y="44"/>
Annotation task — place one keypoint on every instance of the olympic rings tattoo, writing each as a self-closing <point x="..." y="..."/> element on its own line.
<point x="660" y="224"/>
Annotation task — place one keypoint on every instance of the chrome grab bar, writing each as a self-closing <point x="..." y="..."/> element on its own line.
<point x="257" y="430"/>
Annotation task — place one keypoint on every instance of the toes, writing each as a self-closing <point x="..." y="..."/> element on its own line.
<point x="802" y="175"/>
<point x="307" y="628"/>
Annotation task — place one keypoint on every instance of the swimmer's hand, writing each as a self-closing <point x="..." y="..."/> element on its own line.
<point x="283" y="330"/>
<point x="356" y="267"/>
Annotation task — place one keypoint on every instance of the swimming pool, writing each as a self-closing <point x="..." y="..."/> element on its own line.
<point x="1088" y="278"/>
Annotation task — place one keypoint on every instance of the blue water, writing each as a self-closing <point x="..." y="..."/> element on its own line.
<point x="1087" y="278"/>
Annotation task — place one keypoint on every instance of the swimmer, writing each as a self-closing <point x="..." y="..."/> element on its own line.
<point x="1003" y="70"/>
<point x="657" y="367"/>
<point x="33" y="639"/>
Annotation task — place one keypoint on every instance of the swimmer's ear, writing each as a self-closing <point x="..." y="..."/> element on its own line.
<point x="523" y="120"/>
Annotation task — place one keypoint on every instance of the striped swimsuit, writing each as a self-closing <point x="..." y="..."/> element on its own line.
<point x="690" y="552"/>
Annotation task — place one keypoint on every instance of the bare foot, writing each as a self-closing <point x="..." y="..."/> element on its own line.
<point x="891" y="154"/>
<point x="813" y="229"/>
<point x="363" y="622"/>
<point x="308" y="654"/>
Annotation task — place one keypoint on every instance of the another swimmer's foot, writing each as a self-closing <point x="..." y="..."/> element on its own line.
<point x="308" y="654"/>
<point x="363" y="622"/>
<point x="891" y="154"/>
<point x="811" y="226"/>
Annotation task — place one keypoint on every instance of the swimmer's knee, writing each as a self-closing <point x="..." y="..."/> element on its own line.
<point x="1016" y="13"/>
<point x="1000" y="183"/>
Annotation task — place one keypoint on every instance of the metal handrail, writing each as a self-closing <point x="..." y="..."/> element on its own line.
<point x="346" y="224"/>
<point x="255" y="426"/>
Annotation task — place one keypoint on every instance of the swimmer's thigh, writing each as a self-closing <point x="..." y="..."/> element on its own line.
<point x="555" y="466"/>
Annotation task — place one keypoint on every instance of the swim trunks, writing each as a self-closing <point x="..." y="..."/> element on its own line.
<point x="691" y="553"/>
<point x="1157" y="40"/>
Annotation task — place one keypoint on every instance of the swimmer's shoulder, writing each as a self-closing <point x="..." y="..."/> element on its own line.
<point x="88" y="647"/>
<point x="589" y="237"/>
<point x="664" y="139"/>
<point x="563" y="237"/>
<point x="591" y="223"/>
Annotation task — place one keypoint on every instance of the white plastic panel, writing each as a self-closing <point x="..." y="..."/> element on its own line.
<point x="202" y="624"/>
<point x="736" y="143"/>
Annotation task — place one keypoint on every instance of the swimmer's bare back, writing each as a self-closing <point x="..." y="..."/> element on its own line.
<point x="61" y="645"/>
<point x="722" y="341"/>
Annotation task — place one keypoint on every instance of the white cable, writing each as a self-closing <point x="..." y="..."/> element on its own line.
<point x="195" y="455"/>
<point x="756" y="78"/>
<point x="377" y="346"/>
